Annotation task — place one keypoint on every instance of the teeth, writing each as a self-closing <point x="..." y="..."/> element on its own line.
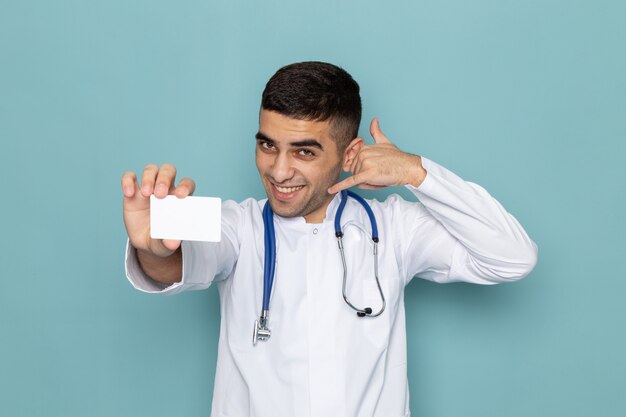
<point x="287" y="190"/>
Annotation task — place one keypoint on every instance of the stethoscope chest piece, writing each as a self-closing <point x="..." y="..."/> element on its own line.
<point x="261" y="332"/>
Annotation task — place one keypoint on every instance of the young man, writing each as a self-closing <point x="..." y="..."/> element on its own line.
<point x="322" y="359"/>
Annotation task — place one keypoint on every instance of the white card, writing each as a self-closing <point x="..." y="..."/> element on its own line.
<point x="189" y="218"/>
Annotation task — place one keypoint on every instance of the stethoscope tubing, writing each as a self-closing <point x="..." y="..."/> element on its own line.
<point x="270" y="256"/>
<point x="368" y="210"/>
<point x="361" y="312"/>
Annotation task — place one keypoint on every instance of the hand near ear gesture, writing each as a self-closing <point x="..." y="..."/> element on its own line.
<point x="379" y="165"/>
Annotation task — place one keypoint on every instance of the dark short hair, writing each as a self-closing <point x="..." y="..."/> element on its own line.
<point x="316" y="91"/>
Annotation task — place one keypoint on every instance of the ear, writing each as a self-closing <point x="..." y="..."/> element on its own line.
<point x="351" y="153"/>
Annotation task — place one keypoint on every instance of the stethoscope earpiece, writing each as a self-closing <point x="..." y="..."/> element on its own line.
<point x="365" y="312"/>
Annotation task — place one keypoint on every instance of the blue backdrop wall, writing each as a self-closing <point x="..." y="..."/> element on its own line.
<point x="527" y="98"/>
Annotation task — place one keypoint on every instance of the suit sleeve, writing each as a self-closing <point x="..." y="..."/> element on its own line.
<point x="461" y="233"/>
<point x="203" y="262"/>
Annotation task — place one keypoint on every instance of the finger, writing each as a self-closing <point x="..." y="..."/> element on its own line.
<point x="147" y="179"/>
<point x="129" y="184"/>
<point x="351" y="181"/>
<point x="370" y="187"/>
<point x="165" y="180"/>
<point x="358" y="165"/>
<point x="361" y="156"/>
<point x="171" y="244"/>
<point x="376" y="133"/>
<point x="186" y="187"/>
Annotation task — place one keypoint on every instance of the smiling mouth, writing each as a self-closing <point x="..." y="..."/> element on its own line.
<point x="288" y="190"/>
<point x="285" y="194"/>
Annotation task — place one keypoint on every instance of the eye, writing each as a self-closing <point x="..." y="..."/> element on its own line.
<point x="305" y="153"/>
<point x="268" y="146"/>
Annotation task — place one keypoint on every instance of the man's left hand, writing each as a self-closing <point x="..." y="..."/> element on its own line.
<point x="380" y="165"/>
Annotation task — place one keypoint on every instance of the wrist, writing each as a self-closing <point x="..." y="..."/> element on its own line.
<point x="416" y="174"/>
<point x="164" y="269"/>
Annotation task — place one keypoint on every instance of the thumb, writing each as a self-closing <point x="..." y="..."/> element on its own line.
<point x="376" y="133"/>
<point x="171" y="244"/>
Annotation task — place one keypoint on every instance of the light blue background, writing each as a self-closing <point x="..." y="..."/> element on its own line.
<point x="527" y="98"/>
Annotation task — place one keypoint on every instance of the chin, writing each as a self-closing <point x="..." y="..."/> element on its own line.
<point x="284" y="210"/>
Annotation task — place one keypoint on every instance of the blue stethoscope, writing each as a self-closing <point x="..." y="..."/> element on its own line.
<point x="261" y="331"/>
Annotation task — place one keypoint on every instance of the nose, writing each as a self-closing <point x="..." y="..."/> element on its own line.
<point x="281" y="169"/>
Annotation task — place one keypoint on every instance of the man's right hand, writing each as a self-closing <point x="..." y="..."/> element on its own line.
<point x="160" y="182"/>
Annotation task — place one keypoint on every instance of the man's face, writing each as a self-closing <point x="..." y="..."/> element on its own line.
<point x="297" y="161"/>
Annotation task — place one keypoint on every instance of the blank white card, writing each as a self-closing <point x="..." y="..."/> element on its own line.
<point x="189" y="218"/>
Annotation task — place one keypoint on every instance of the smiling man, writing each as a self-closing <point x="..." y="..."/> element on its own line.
<point x="321" y="358"/>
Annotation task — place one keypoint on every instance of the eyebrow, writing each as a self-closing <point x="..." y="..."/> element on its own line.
<point x="299" y="143"/>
